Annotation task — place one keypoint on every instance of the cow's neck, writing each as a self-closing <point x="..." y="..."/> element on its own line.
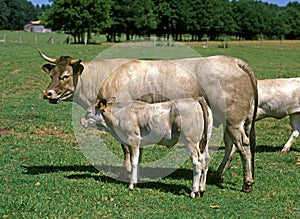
<point x="86" y="91"/>
<point x="91" y="79"/>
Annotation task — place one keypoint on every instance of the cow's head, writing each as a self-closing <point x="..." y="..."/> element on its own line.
<point x="64" y="74"/>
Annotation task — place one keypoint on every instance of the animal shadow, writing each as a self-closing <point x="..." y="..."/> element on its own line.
<point x="147" y="180"/>
<point x="268" y="148"/>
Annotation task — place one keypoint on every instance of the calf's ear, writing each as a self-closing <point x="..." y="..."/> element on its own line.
<point x="78" y="68"/>
<point x="47" y="68"/>
<point x="102" y="104"/>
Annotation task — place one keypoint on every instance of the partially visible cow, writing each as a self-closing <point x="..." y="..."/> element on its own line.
<point x="138" y="124"/>
<point x="228" y="83"/>
<point x="278" y="98"/>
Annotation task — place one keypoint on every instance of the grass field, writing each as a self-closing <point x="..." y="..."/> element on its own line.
<point x="44" y="173"/>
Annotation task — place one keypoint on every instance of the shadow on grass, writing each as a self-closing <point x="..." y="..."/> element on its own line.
<point x="268" y="148"/>
<point x="149" y="182"/>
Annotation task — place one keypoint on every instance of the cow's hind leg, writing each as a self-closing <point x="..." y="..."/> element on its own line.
<point x="230" y="150"/>
<point x="235" y="139"/>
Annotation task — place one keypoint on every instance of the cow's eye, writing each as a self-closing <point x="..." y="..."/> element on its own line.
<point x="65" y="77"/>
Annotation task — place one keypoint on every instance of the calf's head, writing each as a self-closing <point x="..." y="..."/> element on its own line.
<point x="96" y="114"/>
<point x="64" y="74"/>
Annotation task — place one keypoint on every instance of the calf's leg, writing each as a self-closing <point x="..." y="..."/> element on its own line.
<point x="204" y="159"/>
<point x="134" y="157"/>
<point x="196" y="174"/>
<point x="295" y="123"/>
<point x="126" y="152"/>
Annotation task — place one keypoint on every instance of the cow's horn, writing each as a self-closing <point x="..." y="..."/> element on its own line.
<point x="73" y="61"/>
<point x="46" y="57"/>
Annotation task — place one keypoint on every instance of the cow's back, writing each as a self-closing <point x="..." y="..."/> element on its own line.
<point x="150" y="81"/>
<point x="278" y="97"/>
<point x="230" y="86"/>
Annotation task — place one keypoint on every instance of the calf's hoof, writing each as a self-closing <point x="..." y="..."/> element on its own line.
<point x="197" y="194"/>
<point x="131" y="187"/>
<point x="194" y="194"/>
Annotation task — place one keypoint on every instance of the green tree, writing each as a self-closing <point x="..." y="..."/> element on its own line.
<point x="292" y="20"/>
<point x="80" y="17"/>
<point x="4" y="14"/>
<point x="164" y="13"/>
<point x="132" y="17"/>
<point x="15" y="14"/>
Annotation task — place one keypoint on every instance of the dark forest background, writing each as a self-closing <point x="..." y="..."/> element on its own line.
<point x="199" y="19"/>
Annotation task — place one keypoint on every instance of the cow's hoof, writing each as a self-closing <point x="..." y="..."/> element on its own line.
<point x="201" y="194"/>
<point x="247" y="188"/>
<point x="284" y="150"/>
<point x="219" y="179"/>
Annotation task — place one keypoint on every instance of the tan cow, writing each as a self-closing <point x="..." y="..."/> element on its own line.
<point x="137" y="124"/>
<point x="228" y="84"/>
<point x="279" y="98"/>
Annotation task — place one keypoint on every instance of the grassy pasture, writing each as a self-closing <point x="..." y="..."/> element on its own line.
<point x="45" y="175"/>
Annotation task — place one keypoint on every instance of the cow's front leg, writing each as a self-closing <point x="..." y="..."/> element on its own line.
<point x="134" y="157"/>
<point x="287" y="146"/>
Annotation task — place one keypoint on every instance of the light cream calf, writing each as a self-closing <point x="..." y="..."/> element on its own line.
<point x="137" y="124"/>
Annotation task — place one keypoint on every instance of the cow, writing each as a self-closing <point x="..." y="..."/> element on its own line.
<point x="137" y="124"/>
<point x="279" y="98"/>
<point x="228" y="84"/>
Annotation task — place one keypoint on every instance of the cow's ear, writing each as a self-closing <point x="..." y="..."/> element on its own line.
<point x="47" y="68"/>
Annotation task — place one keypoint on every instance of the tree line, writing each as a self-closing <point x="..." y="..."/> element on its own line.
<point x="199" y="19"/>
<point x="14" y="14"/>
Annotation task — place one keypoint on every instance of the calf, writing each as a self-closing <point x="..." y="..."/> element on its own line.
<point x="138" y="124"/>
<point x="278" y="98"/>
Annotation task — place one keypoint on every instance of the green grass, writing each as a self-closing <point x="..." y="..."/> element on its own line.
<point x="44" y="173"/>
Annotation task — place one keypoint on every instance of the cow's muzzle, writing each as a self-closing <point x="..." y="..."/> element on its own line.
<point x="51" y="96"/>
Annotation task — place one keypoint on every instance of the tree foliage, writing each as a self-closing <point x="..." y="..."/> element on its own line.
<point x="15" y="13"/>
<point x="247" y="19"/>
<point x="79" y="17"/>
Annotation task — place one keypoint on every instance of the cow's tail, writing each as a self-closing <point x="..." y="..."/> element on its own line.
<point x="246" y="68"/>
<point x="205" y="113"/>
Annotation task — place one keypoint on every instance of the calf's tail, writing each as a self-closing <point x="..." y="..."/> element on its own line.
<point x="205" y="113"/>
